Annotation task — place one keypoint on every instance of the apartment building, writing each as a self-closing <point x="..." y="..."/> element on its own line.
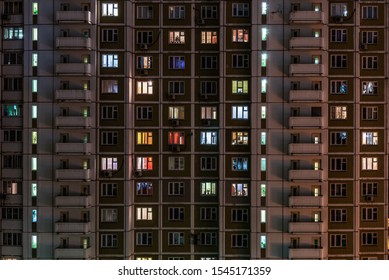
<point x="193" y="129"/>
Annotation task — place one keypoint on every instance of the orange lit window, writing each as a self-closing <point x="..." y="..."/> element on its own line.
<point x="144" y="163"/>
<point x="176" y="138"/>
<point x="144" y="138"/>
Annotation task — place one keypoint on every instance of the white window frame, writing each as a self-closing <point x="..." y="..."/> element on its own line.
<point x="240" y="112"/>
<point x="369" y="163"/>
<point x="110" y="60"/>
<point x="109" y="215"/>
<point x="176" y="12"/>
<point x="369" y="88"/>
<point x="109" y="163"/>
<point x="144" y="213"/>
<point x="240" y="9"/>
<point x="176" y="163"/>
<point x="109" y="9"/>
<point x="144" y="87"/>
<point x="369" y="137"/>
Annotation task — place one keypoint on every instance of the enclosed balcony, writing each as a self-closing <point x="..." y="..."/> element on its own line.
<point x="74" y="16"/>
<point x="73" y="122"/>
<point x="72" y="227"/>
<point x="305" y="95"/>
<point x="73" y="253"/>
<point x="306" y="253"/>
<point x="305" y="122"/>
<point x="73" y="69"/>
<point x="306" y="69"/>
<point x="306" y="201"/>
<point x="73" y="201"/>
<point x="78" y="95"/>
<point x="12" y="250"/>
<point x="305" y="175"/>
<point x="306" y="17"/>
<point x="305" y="227"/>
<point x="81" y="43"/>
<point x="73" y="174"/>
<point x="305" y="149"/>
<point x="306" y="43"/>
<point x="73" y="148"/>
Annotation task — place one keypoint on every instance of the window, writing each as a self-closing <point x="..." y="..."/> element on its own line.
<point x="176" y="163"/>
<point x="13" y="58"/>
<point x="13" y="136"/>
<point x="240" y="35"/>
<point x="109" y="138"/>
<point x="12" y="213"/>
<point x="176" y="188"/>
<point x="208" y="213"/>
<point x="369" y="238"/>
<point x="176" y="113"/>
<point x="208" y="12"/>
<point x="144" y="188"/>
<point x="339" y="35"/>
<point x="240" y="61"/>
<point x="338" y="87"/>
<point x="176" y="213"/>
<point x="369" y="163"/>
<point x="369" y="113"/>
<point x="370" y="138"/>
<point x="144" y="113"/>
<point x="239" y="240"/>
<point x="109" y="86"/>
<point x="338" y="189"/>
<point x="13" y="33"/>
<point x="109" y="9"/>
<point x="109" y="189"/>
<point x="369" y="62"/>
<point x="339" y="138"/>
<point x="176" y="62"/>
<point x="370" y="12"/>
<point x="109" y="112"/>
<point x="12" y="110"/>
<point x="176" y="138"/>
<point x="239" y="215"/>
<point x="176" y="87"/>
<point x="144" y="163"/>
<point x="11" y="187"/>
<point x="240" y="112"/>
<point x="263" y="138"/>
<point x="369" y="189"/>
<point x="208" y="163"/>
<point x="12" y="239"/>
<point x="338" y="164"/>
<point x="110" y="61"/>
<point x="240" y="9"/>
<point x="144" y="12"/>
<point x="109" y="35"/>
<point x="370" y="37"/>
<point x="144" y="37"/>
<point x="144" y="87"/>
<point x="339" y="10"/>
<point x="369" y="213"/>
<point x="176" y="37"/>
<point x="109" y="240"/>
<point x="338" y="112"/>
<point x="338" y="61"/>
<point x="240" y="164"/>
<point x="176" y="12"/>
<point x="240" y="87"/>
<point x="208" y="113"/>
<point x="13" y="8"/>
<point x="144" y="62"/>
<point x="240" y="138"/>
<point x="13" y="84"/>
<point x="208" y="37"/>
<point x="144" y="138"/>
<point x="338" y="215"/>
<point x="208" y="188"/>
<point x="109" y="215"/>
<point x="109" y="163"/>
<point x="208" y="238"/>
<point x="338" y="240"/>
<point x="369" y="88"/>
<point x="208" y="87"/>
<point x="144" y="213"/>
<point x="208" y="62"/>
<point x="176" y="238"/>
<point x="34" y="62"/>
<point x="144" y="239"/>
<point x="12" y="161"/>
<point x="239" y="189"/>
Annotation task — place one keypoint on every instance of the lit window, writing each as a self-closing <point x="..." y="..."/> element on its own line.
<point x="144" y="87"/>
<point x="264" y="8"/>
<point x="34" y="60"/>
<point x="34" y="242"/>
<point x="34" y="8"/>
<point x="176" y="37"/>
<point x="240" y="112"/>
<point x="110" y="60"/>
<point x="263" y="164"/>
<point x="338" y="112"/>
<point x="144" y="138"/>
<point x="338" y="87"/>
<point x="176" y="62"/>
<point x="109" y="86"/>
<point x="369" y="163"/>
<point x="208" y="113"/>
<point x="109" y="163"/>
<point x="144" y="62"/>
<point x="262" y="241"/>
<point x="34" y="215"/>
<point x="264" y="33"/>
<point x="263" y="216"/>
<point x="34" y="111"/>
<point x="176" y="12"/>
<point x="110" y="9"/>
<point x="369" y="88"/>
<point x="208" y="138"/>
<point x="13" y="33"/>
<point x="208" y="188"/>
<point x="208" y="37"/>
<point x="34" y="34"/>
<point x="34" y="85"/>
<point x="144" y="163"/>
<point x="263" y="112"/>
<point x="240" y="9"/>
<point x="34" y="190"/>
<point x="339" y="10"/>
<point x="240" y="35"/>
<point x="239" y="87"/>
<point x="263" y="190"/>
<point x="240" y="164"/>
<point x="264" y="60"/>
<point x="176" y="113"/>
<point x="144" y="188"/>
<point x="263" y="85"/>
<point x="34" y="137"/>
<point x="176" y="138"/>
<point x="144" y="213"/>
<point x="176" y="163"/>
<point x="369" y="138"/>
<point x="239" y="189"/>
<point x="109" y="215"/>
<point x="240" y="138"/>
<point x="263" y="138"/>
<point x="34" y="164"/>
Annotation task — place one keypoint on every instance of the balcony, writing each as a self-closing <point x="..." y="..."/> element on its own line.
<point x="305" y="122"/>
<point x="306" y="43"/>
<point x="305" y="175"/>
<point x="305" y="95"/>
<point x="73" y="253"/>
<point x="306" y="253"/>
<point x="72" y="227"/>
<point x="12" y="250"/>
<point x="73" y="148"/>
<point x="305" y="227"/>
<point x="13" y="69"/>
<point x="12" y="95"/>
<point x="73" y="201"/>
<point x="306" y="69"/>
<point x="80" y="43"/>
<point x="73" y="69"/>
<point x="73" y="174"/>
<point x="78" y="95"/>
<point x="73" y="122"/>
<point x="74" y="16"/>
<point x="305" y="149"/>
<point x="306" y="17"/>
<point x="306" y="201"/>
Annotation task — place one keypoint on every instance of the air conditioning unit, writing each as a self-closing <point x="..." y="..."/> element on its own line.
<point x="143" y="72"/>
<point x="207" y="122"/>
<point x="5" y="17"/>
<point x="175" y="122"/>
<point x="171" y="96"/>
<point x="363" y="47"/>
<point x="200" y="21"/>
<point x="369" y="198"/>
<point x="143" y="47"/>
<point x="204" y="96"/>
<point x="175" y="148"/>
<point x="338" y="19"/>
<point x="138" y="173"/>
<point x="107" y="174"/>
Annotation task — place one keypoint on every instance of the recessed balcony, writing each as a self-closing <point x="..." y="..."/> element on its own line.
<point x="306" y="43"/>
<point x="305" y="149"/>
<point x="305" y="175"/>
<point x="73" y="253"/>
<point x="73" y="148"/>
<point x="306" y="17"/>
<point x="73" y="174"/>
<point x="306" y="201"/>
<point x="305" y="227"/>
<point x="306" y="253"/>
<point x="74" y="16"/>
<point x="72" y="227"/>
<point x="73" y="69"/>
<point x="305" y="95"/>
<point x="79" y="95"/>
<point x="73" y="201"/>
<point x="80" y="43"/>
<point x="306" y="122"/>
<point x="73" y="122"/>
<point x="306" y="69"/>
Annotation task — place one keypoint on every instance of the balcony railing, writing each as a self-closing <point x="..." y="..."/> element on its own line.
<point x="73" y="148"/>
<point x="306" y="253"/>
<point x="73" y="121"/>
<point x="74" y="16"/>
<point x="72" y="227"/>
<point x="306" y="201"/>
<point x="73" y="43"/>
<point x="73" y="253"/>
<point x="73" y="201"/>
<point x="73" y="69"/>
<point x="305" y="122"/>
<point x="305" y="149"/>
<point x="305" y="175"/>
<point x="73" y="174"/>
<point x="73" y="95"/>
<point x="306" y="16"/>
<point x="306" y="43"/>
<point x="306" y="95"/>
<point x="306" y="69"/>
<point x="305" y="227"/>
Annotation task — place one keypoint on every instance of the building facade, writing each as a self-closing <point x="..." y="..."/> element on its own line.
<point x="194" y="129"/>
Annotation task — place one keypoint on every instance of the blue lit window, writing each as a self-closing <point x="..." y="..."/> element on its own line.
<point x="12" y="110"/>
<point x="240" y="164"/>
<point x="34" y="216"/>
<point x="176" y="62"/>
<point x="144" y="188"/>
